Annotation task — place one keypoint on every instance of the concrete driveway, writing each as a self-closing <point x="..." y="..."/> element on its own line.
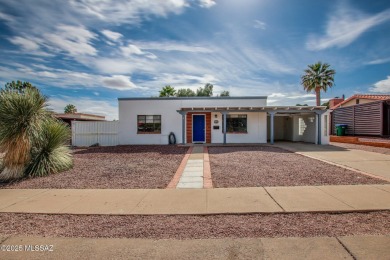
<point x="375" y="164"/>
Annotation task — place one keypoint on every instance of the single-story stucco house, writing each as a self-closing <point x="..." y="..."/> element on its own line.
<point x="219" y="120"/>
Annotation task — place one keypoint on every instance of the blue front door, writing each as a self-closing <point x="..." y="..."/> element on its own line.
<point x="198" y="129"/>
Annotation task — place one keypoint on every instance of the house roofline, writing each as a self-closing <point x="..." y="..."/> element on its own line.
<point x="191" y="98"/>
<point x="362" y="96"/>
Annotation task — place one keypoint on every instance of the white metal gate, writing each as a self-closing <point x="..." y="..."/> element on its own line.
<point x="88" y="133"/>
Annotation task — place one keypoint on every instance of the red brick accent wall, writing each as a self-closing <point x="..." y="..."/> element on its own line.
<point x="189" y="126"/>
<point x="356" y="140"/>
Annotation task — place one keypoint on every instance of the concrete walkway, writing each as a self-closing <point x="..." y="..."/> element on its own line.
<point x="353" y="247"/>
<point x="198" y="201"/>
<point x="194" y="170"/>
<point x="373" y="164"/>
<point x="192" y="176"/>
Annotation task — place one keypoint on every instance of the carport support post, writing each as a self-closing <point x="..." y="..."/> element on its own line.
<point x="318" y="117"/>
<point x="224" y="114"/>
<point x="183" y="126"/>
<point x="272" y="114"/>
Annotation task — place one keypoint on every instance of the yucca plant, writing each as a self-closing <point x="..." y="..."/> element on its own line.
<point x="21" y="116"/>
<point x="50" y="153"/>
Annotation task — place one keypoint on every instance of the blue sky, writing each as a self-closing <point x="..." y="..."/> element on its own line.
<point x="89" y="53"/>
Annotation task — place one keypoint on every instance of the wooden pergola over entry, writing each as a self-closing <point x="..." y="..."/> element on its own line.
<point x="271" y="110"/>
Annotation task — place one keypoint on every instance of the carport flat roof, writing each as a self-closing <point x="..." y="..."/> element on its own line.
<point x="255" y="109"/>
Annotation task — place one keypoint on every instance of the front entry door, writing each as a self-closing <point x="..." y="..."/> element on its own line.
<point x="198" y="129"/>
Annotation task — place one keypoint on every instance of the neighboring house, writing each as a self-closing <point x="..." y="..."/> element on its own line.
<point x="68" y="118"/>
<point x="365" y="115"/>
<point x="356" y="100"/>
<point x="218" y="120"/>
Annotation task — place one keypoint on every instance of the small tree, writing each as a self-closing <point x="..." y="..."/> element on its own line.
<point x="185" y="92"/>
<point x="225" y="93"/>
<point x="207" y="91"/>
<point x="167" y="91"/>
<point x="70" y="109"/>
<point x="18" y="86"/>
<point x="326" y="104"/>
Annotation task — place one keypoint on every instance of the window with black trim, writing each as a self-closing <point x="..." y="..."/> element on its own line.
<point x="236" y="123"/>
<point x="149" y="124"/>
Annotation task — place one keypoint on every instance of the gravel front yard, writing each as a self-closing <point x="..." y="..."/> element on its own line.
<point x="120" y="167"/>
<point x="271" y="166"/>
<point x="196" y="227"/>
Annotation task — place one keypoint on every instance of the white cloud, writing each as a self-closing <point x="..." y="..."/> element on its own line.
<point x="6" y="17"/>
<point x="378" y="61"/>
<point x="119" y="82"/>
<point x="131" y="49"/>
<point x="207" y="3"/>
<point x="382" y="86"/>
<point x="114" y="36"/>
<point x="259" y="25"/>
<point x="85" y="105"/>
<point x="279" y="95"/>
<point x="25" y="43"/>
<point x="300" y="96"/>
<point x="173" y="46"/>
<point x="344" y="26"/>
<point x="124" y="11"/>
<point x="75" y="40"/>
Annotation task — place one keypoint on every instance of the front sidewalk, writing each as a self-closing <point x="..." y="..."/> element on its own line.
<point x="350" y="247"/>
<point x="342" y="198"/>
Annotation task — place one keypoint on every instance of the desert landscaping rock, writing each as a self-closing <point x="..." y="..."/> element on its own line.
<point x="272" y="166"/>
<point x="118" y="167"/>
<point x="196" y="227"/>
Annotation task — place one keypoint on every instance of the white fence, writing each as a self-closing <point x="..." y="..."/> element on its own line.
<point x="104" y="133"/>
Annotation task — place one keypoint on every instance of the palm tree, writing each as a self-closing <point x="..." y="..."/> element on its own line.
<point x="70" y="109"/>
<point x="21" y="115"/>
<point x="318" y="77"/>
<point x="167" y="91"/>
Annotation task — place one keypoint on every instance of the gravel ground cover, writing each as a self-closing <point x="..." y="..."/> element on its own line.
<point x="196" y="227"/>
<point x="119" y="167"/>
<point x="381" y="150"/>
<point x="272" y="166"/>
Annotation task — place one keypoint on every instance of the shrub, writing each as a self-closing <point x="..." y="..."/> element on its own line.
<point x="50" y="153"/>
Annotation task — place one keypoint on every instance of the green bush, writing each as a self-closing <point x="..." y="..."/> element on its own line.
<point x="33" y="142"/>
<point x="50" y="153"/>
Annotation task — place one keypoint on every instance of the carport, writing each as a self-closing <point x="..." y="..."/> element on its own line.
<point x="297" y="124"/>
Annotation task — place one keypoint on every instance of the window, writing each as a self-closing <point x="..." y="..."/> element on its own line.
<point x="236" y="123"/>
<point x="149" y="124"/>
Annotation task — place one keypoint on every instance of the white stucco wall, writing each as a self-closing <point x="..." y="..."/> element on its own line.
<point x="325" y="125"/>
<point x="171" y="120"/>
<point x="256" y="129"/>
<point x="128" y="111"/>
<point x="309" y="133"/>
